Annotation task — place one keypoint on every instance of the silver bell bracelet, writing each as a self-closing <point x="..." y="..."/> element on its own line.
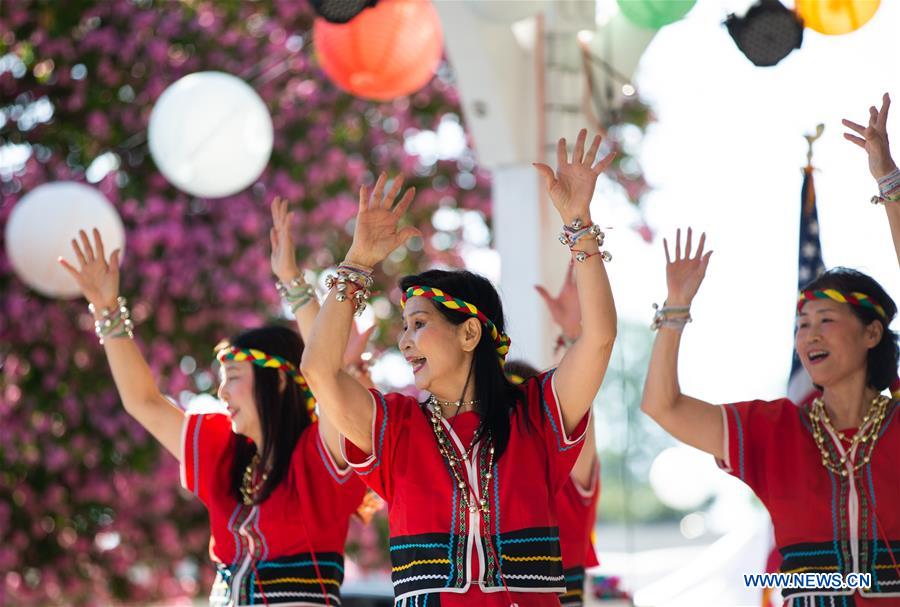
<point x="571" y="234"/>
<point x="113" y="323"/>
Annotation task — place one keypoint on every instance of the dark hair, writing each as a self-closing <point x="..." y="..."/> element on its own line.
<point x="881" y="361"/>
<point x="496" y="395"/>
<point x="520" y="368"/>
<point x="283" y="415"/>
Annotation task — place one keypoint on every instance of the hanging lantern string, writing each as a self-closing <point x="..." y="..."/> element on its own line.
<point x="590" y="61"/>
<point x="604" y="65"/>
<point x="256" y="75"/>
<point x="590" y="91"/>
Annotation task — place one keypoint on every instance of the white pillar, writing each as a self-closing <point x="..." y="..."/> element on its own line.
<point x="499" y="78"/>
<point x="525" y="231"/>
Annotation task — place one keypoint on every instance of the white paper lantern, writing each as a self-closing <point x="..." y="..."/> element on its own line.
<point x="210" y="134"/>
<point x="683" y="477"/>
<point x="42" y="225"/>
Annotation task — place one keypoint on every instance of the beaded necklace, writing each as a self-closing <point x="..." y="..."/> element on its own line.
<point x="867" y="435"/>
<point x="249" y="489"/>
<point x="456" y="463"/>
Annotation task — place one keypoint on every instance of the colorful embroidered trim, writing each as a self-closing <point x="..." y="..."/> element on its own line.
<point x="855" y="299"/>
<point x="501" y="340"/>
<point x="268" y="361"/>
<point x="284" y="580"/>
<point x="436" y="562"/>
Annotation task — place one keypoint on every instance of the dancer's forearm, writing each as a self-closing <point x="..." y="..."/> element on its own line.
<point x="893" y="214"/>
<point x="141" y="396"/>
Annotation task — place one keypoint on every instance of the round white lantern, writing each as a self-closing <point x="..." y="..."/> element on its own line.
<point x="210" y="134"/>
<point x="41" y="228"/>
<point x="683" y="477"/>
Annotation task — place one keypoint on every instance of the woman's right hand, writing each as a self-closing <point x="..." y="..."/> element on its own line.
<point x="874" y="139"/>
<point x="97" y="279"/>
<point x="685" y="273"/>
<point x="377" y="232"/>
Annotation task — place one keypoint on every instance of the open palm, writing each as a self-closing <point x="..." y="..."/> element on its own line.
<point x="377" y="230"/>
<point x="571" y="187"/>
<point x="97" y="279"/>
<point x="684" y="273"/>
<point x="873" y="138"/>
<point x="284" y="262"/>
<point x="564" y="308"/>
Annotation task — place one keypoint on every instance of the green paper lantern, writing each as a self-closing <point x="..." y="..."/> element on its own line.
<point x="654" y="14"/>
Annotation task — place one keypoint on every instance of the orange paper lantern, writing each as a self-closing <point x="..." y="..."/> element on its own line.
<point x="387" y="51"/>
<point x="836" y="17"/>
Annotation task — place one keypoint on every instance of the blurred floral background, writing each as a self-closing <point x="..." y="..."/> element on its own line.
<point x="91" y="510"/>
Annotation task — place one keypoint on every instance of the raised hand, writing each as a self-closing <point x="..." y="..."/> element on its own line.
<point x="284" y="262"/>
<point x="354" y="363"/>
<point x="97" y="279"/>
<point x="564" y="308"/>
<point x="873" y="139"/>
<point x="377" y="230"/>
<point x="571" y="187"/>
<point x="685" y="273"/>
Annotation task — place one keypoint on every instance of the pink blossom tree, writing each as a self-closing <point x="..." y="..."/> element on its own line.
<point x="90" y="506"/>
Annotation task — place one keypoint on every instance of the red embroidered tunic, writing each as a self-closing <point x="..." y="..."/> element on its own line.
<point x="263" y="552"/>
<point x="448" y="555"/>
<point x="824" y="523"/>
<point x="576" y="507"/>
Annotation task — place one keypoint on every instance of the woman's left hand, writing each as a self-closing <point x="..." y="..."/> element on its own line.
<point x="874" y="139"/>
<point x="354" y="362"/>
<point x="565" y="309"/>
<point x="571" y="187"/>
<point x="284" y="262"/>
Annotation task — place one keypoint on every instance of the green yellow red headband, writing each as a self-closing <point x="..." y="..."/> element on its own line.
<point x="854" y="299"/>
<point x="268" y="361"/>
<point x="501" y="340"/>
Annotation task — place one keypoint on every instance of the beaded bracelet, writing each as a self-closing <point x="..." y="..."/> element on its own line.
<point x="889" y="188"/>
<point x="662" y="318"/>
<point x="296" y="293"/>
<point x="361" y="274"/>
<point x="571" y="234"/>
<point x="113" y="323"/>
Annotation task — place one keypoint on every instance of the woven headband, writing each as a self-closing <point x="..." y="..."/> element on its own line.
<point x="501" y="340"/>
<point x="854" y="299"/>
<point x="268" y="361"/>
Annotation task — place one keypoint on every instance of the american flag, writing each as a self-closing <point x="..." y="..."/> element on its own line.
<point x="800" y="387"/>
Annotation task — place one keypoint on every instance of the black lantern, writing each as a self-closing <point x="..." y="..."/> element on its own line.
<point x="767" y="33"/>
<point x="340" y="11"/>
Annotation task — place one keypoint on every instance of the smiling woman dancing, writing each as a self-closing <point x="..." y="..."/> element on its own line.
<point x="827" y="471"/>
<point x="279" y="497"/>
<point x="470" y="474"/>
